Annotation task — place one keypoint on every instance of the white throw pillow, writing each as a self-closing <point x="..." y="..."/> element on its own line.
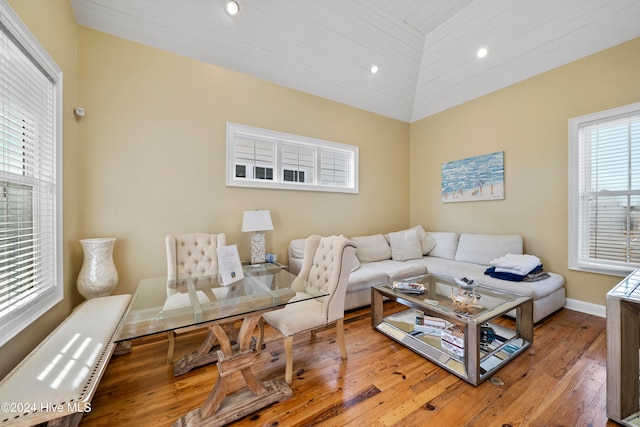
<point x="405" y="245"/>
<point x="372" y="248"/>
<point x="427" y="242"/>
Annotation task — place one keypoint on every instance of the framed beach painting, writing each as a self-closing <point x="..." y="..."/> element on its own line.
<point x="473" y="179"/>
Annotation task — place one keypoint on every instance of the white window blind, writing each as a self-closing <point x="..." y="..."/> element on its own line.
<point x="298" y="163"/>
<point x="606" y="214"/>
<point x="264" y="158"/>
<point x="254" y="158"/>
<point x="30" y="273"/>
<point x="334" y="168"/>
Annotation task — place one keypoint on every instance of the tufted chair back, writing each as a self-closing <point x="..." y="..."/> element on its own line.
<point x="326" y="267"/>
<point x="193" y="254"/>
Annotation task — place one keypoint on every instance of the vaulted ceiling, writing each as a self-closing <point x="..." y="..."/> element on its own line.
<point x="425" y="49"/>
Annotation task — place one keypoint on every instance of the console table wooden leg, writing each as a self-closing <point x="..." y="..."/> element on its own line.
<point x="202" y="356"/>
<point x="220" y="408"/>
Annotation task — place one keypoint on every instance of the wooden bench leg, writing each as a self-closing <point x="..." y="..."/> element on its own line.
<point x="71" y="420"/>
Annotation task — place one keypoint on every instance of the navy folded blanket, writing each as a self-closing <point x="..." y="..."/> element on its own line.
<point x="512" y="277"/>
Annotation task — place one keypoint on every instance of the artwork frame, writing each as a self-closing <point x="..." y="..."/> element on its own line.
<point x="473" y="179"/>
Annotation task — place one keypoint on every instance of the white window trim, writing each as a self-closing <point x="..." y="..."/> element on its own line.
<point x="575" y="263"/>
<point x="46" y="299"/>
<point x="278" y="181"/>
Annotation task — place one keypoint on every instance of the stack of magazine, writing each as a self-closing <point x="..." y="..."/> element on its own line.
<point x="408" y="287"/>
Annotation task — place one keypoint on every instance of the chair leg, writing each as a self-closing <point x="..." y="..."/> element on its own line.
<point x="340" y="336"/>
<point x="288" y="350"/>
<point x="171" y="336"/>
<point x="260" y="342"/>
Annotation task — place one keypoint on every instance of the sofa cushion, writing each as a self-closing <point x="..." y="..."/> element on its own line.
<point x="536" y="290"/>
<point x="369" y="274"/>
<point x="483" y="248"/>
<point x="372" y="248"/>
<point x="405" y="245"/>
<point x="401" y="270"/>
<point x="446" y="244"/>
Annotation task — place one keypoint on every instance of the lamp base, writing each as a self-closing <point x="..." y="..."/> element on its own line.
<point x="257" y="247"/>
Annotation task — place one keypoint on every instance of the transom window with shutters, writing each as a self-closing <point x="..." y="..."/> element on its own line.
<point x="30" y="189"/>
<point x="604" y="181"/>
<point x="269" y="159"/>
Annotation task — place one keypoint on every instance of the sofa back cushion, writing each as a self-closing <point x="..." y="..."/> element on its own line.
<point x="405" y="245"/>
<point x="296" y="248"/>
<point x="446" y="244"/>
<point x="482" y="248"/>
<point x="372" y="248"/>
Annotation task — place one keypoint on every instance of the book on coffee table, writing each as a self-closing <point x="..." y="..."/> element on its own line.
<point x="408" y="287"/>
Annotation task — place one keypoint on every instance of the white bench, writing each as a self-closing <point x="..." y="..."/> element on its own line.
<point x="55" y="383"/>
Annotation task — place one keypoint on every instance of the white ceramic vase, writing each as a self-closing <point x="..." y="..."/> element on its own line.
<point x="98" y="276"/>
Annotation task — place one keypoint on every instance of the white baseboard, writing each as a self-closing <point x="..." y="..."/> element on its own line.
<point x="586" y="307"/>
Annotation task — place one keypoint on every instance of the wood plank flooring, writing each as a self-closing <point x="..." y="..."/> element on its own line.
<point x="559" y="381"/>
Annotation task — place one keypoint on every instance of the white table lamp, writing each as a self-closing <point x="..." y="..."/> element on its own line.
<point x="257" y="222"/>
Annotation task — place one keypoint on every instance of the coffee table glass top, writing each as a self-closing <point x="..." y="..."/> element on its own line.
<point x="455" y="328"/>
<point x="162" y="304"/>
<point x="443" y="295"/>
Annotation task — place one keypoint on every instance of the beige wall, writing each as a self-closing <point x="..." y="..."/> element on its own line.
<point x="148" y="158"/>
<point x="53" y="24"/>
<point x="529" y="122"/>
<point x="151" y="157"/>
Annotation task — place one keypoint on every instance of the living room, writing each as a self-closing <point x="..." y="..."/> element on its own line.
<point x="148" y="159"/>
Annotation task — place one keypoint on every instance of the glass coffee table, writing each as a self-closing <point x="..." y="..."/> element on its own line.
<point x="453" y="327"/>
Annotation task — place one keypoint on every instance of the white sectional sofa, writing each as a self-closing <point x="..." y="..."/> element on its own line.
<point x="408" y="253"/>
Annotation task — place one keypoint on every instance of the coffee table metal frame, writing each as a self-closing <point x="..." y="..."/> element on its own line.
<point x="479" y="361"/>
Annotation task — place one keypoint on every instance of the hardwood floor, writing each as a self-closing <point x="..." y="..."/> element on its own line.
<point x="559" y="381"/>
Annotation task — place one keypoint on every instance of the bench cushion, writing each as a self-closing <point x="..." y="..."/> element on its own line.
<point x="68" y="364"/>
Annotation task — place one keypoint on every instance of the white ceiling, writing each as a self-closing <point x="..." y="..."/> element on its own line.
<point x="425" y="48"/>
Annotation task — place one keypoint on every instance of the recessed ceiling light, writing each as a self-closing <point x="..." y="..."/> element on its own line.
<point x="482" y="52"/>
<point x="233" y="8"/>
<point x="374" y="68"/>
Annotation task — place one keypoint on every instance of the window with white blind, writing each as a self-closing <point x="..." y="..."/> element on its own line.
<point x="604" y="191"/>
<point x="268" y="159"/>
<point x="30" y="189"/>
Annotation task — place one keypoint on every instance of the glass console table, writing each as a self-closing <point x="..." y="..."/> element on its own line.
<point x="165" y="304"/>
<point x="454" y="329"/>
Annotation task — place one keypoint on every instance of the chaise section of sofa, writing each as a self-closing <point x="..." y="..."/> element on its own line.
<point x="413" y="252"/>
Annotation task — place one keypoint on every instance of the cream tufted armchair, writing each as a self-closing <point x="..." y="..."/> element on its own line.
<point x="191" y="255"/>
<point x="326" y="268"/>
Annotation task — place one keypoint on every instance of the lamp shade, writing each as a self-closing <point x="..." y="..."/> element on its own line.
<point x="258" y="220"/>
